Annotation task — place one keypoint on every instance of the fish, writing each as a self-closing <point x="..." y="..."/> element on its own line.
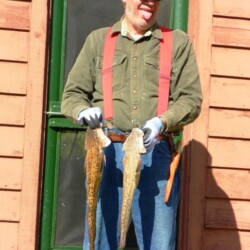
<point x="95" y="141"/>
<point x="133" y="148"/>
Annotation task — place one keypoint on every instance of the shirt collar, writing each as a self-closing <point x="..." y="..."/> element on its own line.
<point x="125" y="32"/>
<point x="155" y="30"/>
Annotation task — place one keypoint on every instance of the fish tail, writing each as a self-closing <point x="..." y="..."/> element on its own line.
<point x="92" y="247"/>
<point x="122" y="240"/>
<point x="125" y="218"/>
<point x="92" y="236"/>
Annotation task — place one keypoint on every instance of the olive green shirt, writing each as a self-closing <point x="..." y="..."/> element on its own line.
<point x="135" y="80"/>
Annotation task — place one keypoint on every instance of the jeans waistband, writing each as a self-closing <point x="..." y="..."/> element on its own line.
<point x="121" y="137"/>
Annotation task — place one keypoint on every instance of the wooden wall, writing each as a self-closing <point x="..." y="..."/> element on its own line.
<point x="219" y="211"/>
<point x="23" y="28"/>
<point x="218" y="214"/>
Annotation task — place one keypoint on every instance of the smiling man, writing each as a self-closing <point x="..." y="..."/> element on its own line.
<point x="140" y="15"/>
<point x="136" y="74"/>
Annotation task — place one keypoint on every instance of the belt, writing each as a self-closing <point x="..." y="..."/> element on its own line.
<point x="115" y="137"/>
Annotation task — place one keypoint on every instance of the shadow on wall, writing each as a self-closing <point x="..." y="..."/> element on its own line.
<point x="214" y="210"/>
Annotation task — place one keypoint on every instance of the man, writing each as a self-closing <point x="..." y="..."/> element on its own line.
<point x="135" y="80"/>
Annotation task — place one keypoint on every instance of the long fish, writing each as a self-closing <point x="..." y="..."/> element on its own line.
<point x="95" y="141"/>
<point x="133" y="148"/>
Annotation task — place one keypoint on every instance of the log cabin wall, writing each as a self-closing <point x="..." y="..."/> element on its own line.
<point x="219" y="198"/>
<point x="218" y="214"/>
<point x="23" y="31"/>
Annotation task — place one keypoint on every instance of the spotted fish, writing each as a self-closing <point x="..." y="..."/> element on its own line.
<point x="95" y="141"/>
<point x="133" y="148"/>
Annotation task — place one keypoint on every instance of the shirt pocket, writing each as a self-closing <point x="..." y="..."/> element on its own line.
<point x="118" y="71"/>
<point x="151" y="73"/>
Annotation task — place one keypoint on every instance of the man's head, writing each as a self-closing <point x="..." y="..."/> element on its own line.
<point x="140" y="15"/>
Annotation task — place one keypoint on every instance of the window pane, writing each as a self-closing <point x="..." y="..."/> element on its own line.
<point x="71" y="191"/>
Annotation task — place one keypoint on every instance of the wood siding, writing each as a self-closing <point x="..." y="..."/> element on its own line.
<point x="22" y="66"/>
<point x="216" y="187"/>
<point x="219" y="211"/>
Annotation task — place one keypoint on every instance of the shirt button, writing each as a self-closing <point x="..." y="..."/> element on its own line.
<point x="134" y="91"/>
<point x="134" y="108"/>
<point x="135" y="75"/>
<point x="135" y="58"/>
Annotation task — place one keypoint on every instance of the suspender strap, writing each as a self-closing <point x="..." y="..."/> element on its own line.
<point x="164" y="74"/>
<point x="108" y="56"/>
<point x="165" y="70"/>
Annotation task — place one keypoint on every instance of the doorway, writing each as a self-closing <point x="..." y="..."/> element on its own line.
<point x="63" y="207"/>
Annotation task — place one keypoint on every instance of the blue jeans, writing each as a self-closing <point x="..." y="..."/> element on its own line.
<point x="154" y="220"/>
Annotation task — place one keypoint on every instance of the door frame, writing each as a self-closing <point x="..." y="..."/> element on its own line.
<point x="56" y="121"/>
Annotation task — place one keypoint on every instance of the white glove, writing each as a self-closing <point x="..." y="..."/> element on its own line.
<point x="91" y="117"/>
<point x="151" y="130"/>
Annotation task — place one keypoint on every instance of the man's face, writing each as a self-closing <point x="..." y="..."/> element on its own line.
<point x="140" y="15"/>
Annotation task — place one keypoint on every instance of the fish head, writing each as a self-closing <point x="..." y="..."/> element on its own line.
<point x="96" y="138"/>
<point x="134" y="142"/>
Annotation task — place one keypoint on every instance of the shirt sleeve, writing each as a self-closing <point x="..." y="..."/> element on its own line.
<point x="185" y="91"/>
<point x="78" y="90"/>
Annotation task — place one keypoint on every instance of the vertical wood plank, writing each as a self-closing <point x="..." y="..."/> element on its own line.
<point x="34" y="131"/>
<point x="201" y="20"/>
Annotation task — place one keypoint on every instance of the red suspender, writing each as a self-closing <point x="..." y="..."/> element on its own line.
<point x="164" y="74"/>
<point x="108" y="56"/>
<point x="165" y="70"/>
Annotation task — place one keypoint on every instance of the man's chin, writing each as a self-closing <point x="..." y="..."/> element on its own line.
<point x="146" y="24"/>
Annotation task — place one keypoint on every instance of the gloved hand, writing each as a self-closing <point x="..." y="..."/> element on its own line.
<point x="151" y="130"/>
<point x="91" y="117"/>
